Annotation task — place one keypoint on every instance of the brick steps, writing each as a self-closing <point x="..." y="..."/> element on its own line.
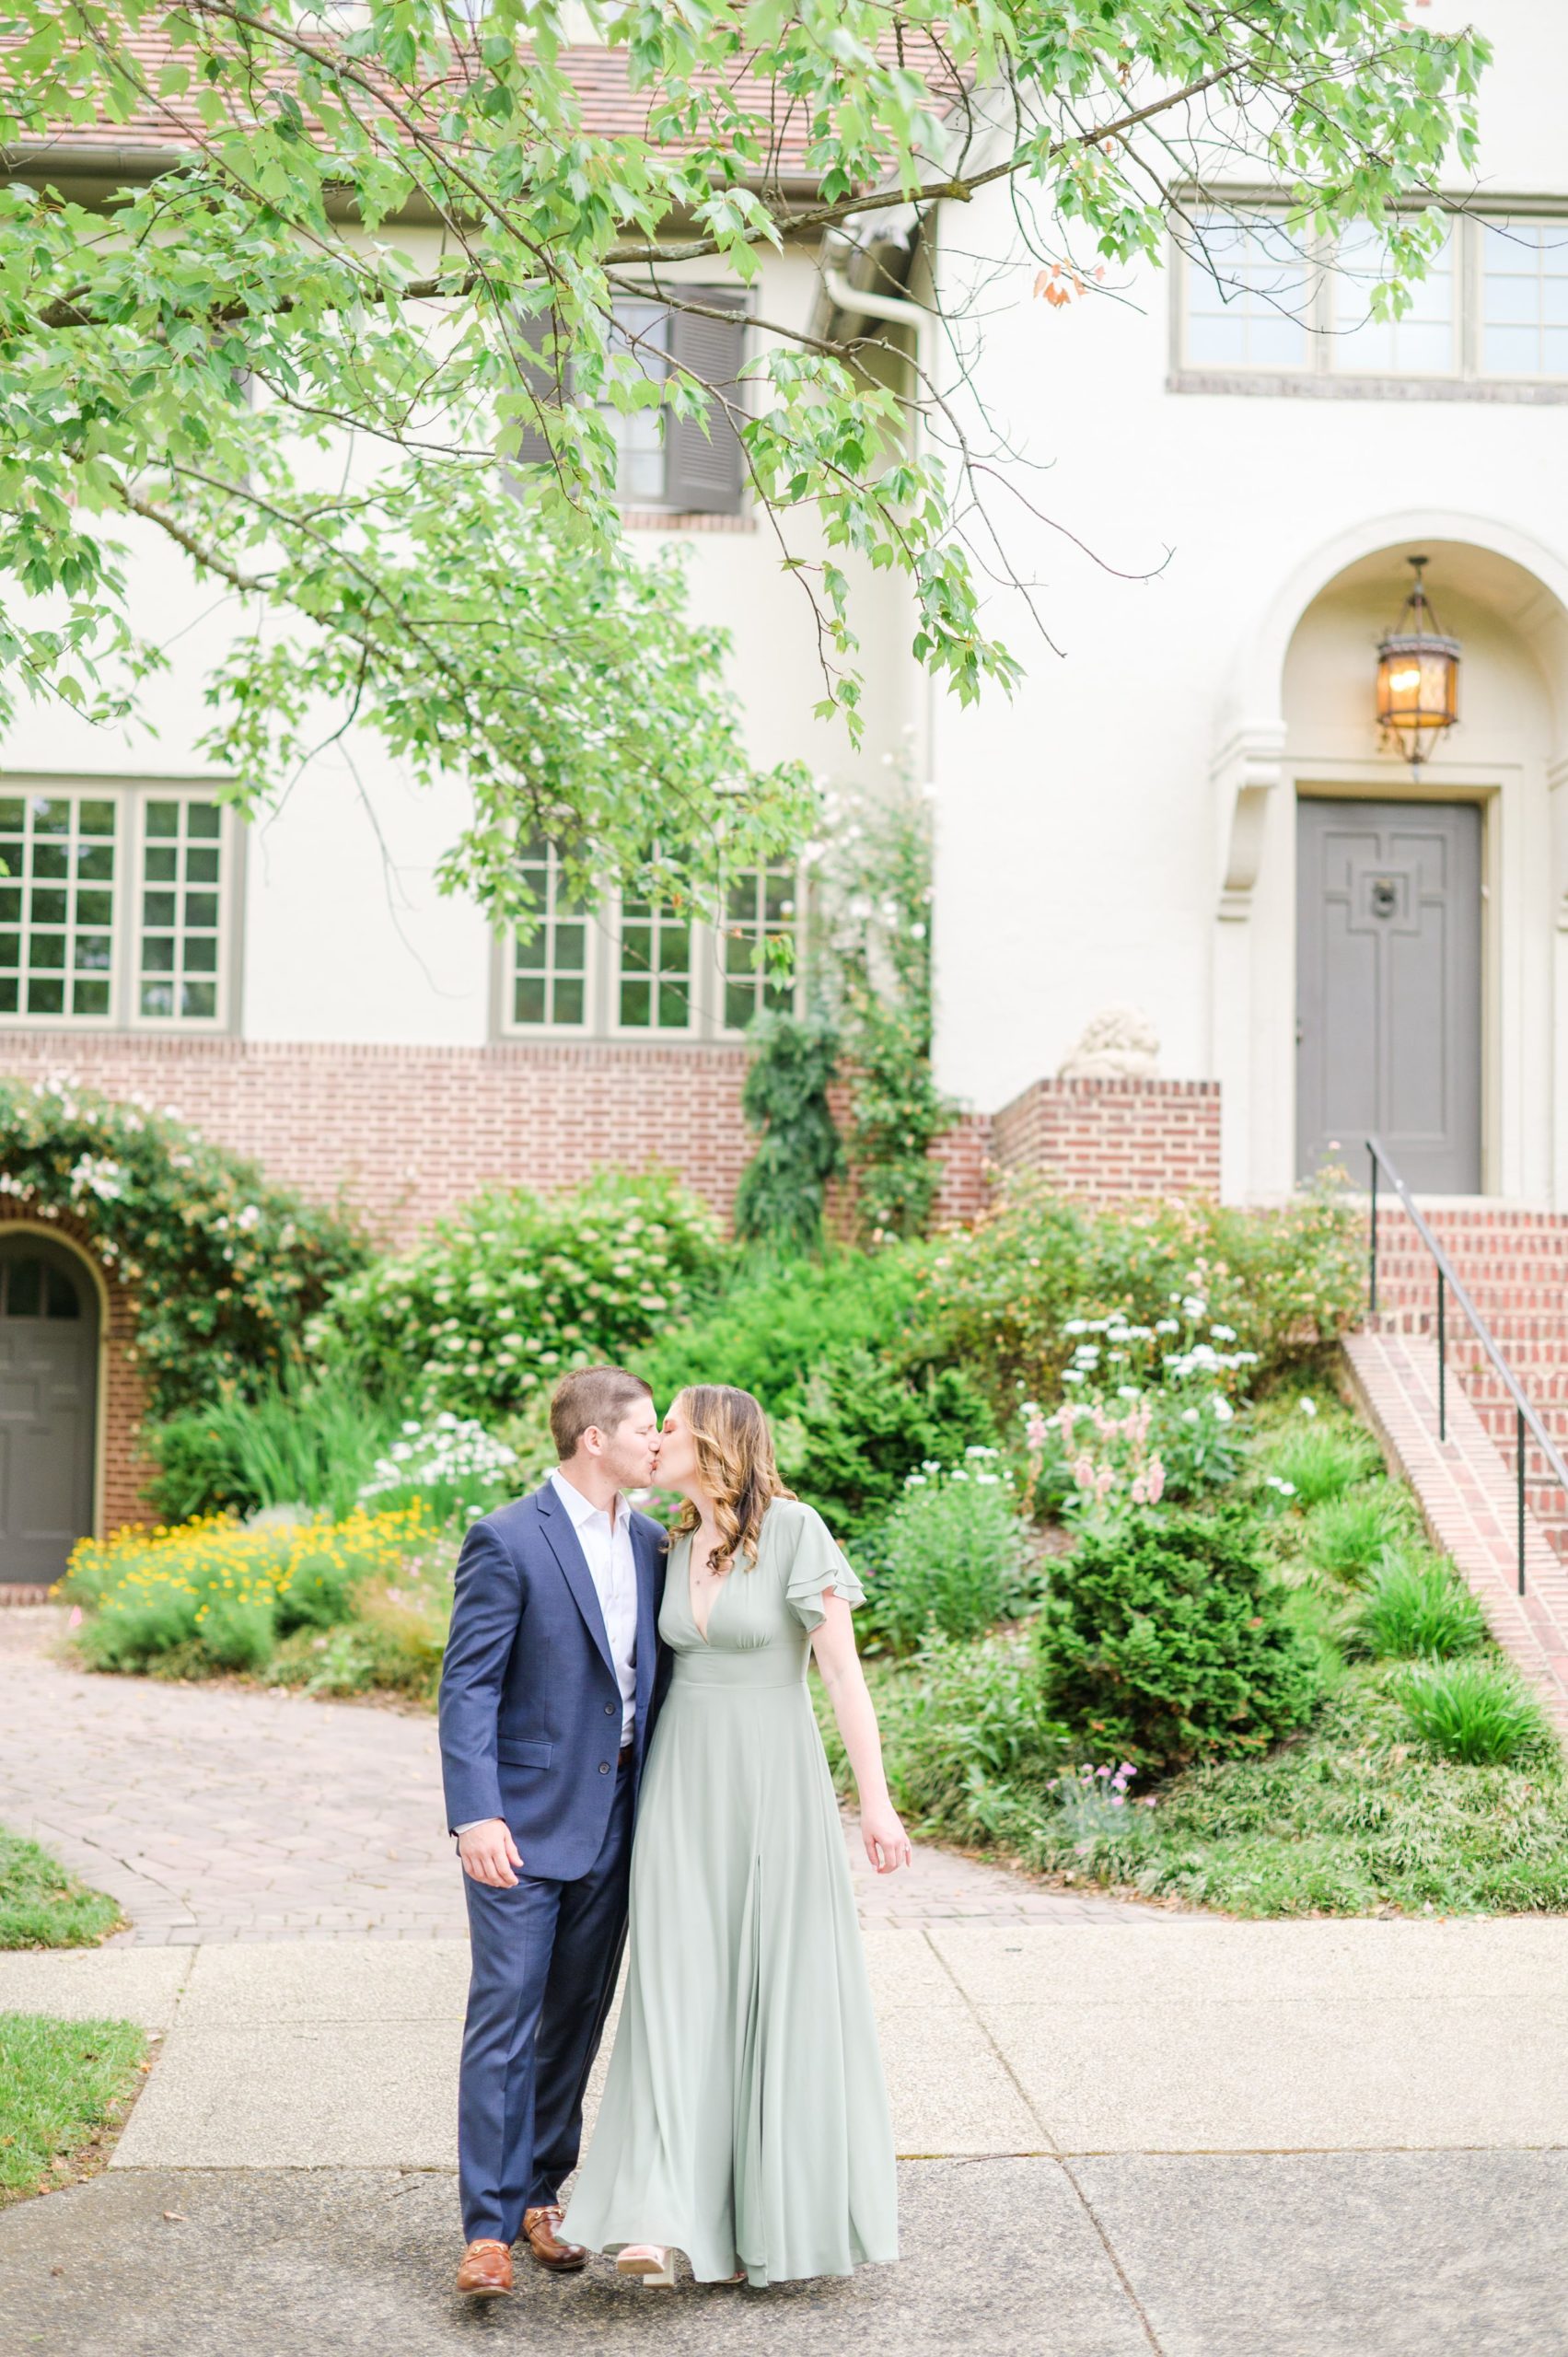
<point x="1467" y="1502"/>
<point x="1513" y="1261"/>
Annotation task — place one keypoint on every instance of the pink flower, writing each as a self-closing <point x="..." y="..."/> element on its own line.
<point x="1084" y="1472"/>
<point x="1156" y="1481"/>
<point x="76" y="1620"/>
<point x="1140" y="1495"/>
<point x="1103" y="1481"/>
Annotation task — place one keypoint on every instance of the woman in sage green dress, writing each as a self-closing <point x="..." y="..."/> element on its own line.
<point x="744" y="2120"/>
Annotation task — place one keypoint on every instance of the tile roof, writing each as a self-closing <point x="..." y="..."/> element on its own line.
<point x="160" y="126"/>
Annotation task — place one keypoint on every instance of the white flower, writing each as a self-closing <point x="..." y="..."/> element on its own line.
<point x="1285" y="1489"/>
<point x="1307" y="1407"/>
<point x="1168" y="1326"/>
<point x="1190" y="1415"/>
<point x="1223" y="1333"/>
<point x="1128" y="1391"/>
<point x="1224" y="1410"/>
<point x="1194" y="1305"/>
<point x="1072" y="1375"/>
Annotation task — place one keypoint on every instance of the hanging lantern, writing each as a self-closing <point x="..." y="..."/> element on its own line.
<point x="1418" y="676"/>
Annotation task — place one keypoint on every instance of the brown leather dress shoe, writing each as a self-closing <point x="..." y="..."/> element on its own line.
<point x="542" y="2236"/>
<point x="486" y="2271"/>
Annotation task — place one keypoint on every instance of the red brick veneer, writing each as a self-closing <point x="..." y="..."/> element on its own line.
<point x="1111" y="1140"/>
<point x="118" y="1484"/>
<point x="405" y="1133"/>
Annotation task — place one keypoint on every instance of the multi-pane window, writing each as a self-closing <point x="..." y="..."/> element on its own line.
<point x="1524" y="299"/>
<point x="1494" y="302"/>
<point x="760" y="908"/>
<point x="663" y="460"/>
<point x="181" y="883"/>
<point x="1249" y="307"/>
<point x="639" y="345"/>
<point x="550" y="972"/>
<point x="1419" y="343"/>
<point x="113" y="907"/>
<point x="648" y="966"/>
<point x="653" y="967"/>
<point x="59" y="851"/>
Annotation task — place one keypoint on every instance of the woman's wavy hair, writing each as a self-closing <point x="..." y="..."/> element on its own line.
<point x="734" y="1465"/>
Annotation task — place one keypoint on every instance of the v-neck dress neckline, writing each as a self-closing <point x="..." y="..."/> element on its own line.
<point x="704" y="1636"/>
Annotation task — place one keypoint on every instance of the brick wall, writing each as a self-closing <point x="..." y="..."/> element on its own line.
<point x="1111" y="1140"/>
<point x="405" y="1133"/>
<point x="119" y="1489"/>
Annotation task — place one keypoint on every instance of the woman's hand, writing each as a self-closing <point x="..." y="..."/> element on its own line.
<point x="887" y="1843"/>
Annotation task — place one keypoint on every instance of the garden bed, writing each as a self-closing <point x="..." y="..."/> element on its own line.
<point x="1369" y="1807"/>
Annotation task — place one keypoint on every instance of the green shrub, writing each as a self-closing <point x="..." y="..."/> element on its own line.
<point x="452" y="1466"/>
<point x="225" y="1267"/>
<point x="951" y="1555"/>
<point x="1475" y="1712"/>
<point x="968" y="1743"/>
<point x="769" y="1330"/>
<point x="1164" y="1641"/>
<point x="857" y="1428"/>
<point x="1010" y="1298"/>
<point x="1350" y="1534"/>
<point x="301" y="1441"/>
<point x="1419" y="1610"/>
<point x="1321" y="1461"/>
<point x="515" y="1289"/>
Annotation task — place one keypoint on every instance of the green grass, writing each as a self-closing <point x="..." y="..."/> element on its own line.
<point x="64" y="2085"/>
<point x="44" y="1907"/>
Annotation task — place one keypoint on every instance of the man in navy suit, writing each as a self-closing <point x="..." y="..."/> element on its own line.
<point x="547" y="1692"/>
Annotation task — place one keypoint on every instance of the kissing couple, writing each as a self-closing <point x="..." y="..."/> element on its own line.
<point x="624" y="1720"/>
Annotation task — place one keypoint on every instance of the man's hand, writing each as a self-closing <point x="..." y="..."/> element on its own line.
<point x="489" y="1853"/>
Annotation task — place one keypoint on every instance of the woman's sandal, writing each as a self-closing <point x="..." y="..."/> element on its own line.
<point x="652" y="2263"/>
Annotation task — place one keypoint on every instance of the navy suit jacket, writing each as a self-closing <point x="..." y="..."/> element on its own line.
<point x="530" y="1709"/>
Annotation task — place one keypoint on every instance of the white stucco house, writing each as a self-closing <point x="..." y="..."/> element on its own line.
<point x="1187" y="809"/>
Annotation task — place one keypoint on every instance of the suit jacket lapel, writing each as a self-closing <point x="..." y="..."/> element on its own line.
<point x="646" y="1551"/>
<point x="567" y="1550"/>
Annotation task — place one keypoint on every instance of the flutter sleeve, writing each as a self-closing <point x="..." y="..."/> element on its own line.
<point x="816" y="1564"/>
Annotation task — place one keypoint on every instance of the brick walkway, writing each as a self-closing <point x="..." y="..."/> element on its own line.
<point x="1467" y="1500"/>
<point x="223" y="1813"/>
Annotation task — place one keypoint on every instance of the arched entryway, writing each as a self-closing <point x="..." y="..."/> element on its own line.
<point x="1391" y="952"/>
<point x="49" y="1376"/>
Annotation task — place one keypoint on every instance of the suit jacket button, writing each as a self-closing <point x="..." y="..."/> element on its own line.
<point x="610" y="1709"/>
<point x="604" y="1767"/>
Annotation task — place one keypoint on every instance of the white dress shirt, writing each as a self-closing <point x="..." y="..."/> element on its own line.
<point x="612" y="1567"/>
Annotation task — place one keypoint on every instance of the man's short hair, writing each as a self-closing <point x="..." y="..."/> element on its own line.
<point x="601" y="1396"/>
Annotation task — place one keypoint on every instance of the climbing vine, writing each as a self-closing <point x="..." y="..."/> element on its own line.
<point x="225" y="1268"/>
<point x="784" y="1188"/>
<point x="873" y="944"/>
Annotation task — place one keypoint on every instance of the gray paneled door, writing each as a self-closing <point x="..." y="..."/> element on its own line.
<point x="48" y="1387"/>
<point x="1388" y="988"/>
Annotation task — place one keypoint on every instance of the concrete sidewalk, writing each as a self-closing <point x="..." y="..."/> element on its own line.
<point x="1019" y="2040"/>
<point x="1232" y="2140"/>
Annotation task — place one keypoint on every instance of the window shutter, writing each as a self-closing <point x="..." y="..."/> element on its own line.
<point x="705" y="471"/>
<point x="545" y="374"/>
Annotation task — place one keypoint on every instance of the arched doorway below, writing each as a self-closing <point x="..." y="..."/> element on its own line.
<point x="49" y="1344"/>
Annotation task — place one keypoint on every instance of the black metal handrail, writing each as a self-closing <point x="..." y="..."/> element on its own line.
<point x="1525" y="1417"/>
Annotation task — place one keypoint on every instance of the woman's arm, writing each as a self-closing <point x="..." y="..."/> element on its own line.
<point x="887" y="1843"/>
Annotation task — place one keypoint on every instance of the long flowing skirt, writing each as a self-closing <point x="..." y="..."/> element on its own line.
<point x="745" y="2118"/>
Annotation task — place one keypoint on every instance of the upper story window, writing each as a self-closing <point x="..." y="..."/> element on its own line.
<point x="664" y="462"/>
<point x="644" y="969"/>
<point x="1524" y="299"/>
<point x="1258" y="302"/>
<point x="114" y="907"/>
